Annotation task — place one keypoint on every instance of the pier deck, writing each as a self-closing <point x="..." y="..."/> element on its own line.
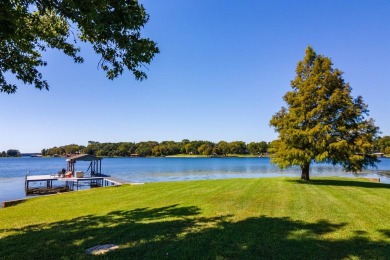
<point x="116" y="180"/>
<point x="72" y="182"/>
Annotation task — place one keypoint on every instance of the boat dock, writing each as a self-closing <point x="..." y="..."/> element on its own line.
<point x="50" y="184"/>
<point x="69" y="179"/>
<point x="54" y="184"/>
<point x="115" y="181"/>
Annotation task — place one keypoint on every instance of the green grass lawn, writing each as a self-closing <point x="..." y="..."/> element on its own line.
<point x="279" y="218"/>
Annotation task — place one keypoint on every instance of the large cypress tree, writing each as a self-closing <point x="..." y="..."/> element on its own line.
<point x="322" y="121"/>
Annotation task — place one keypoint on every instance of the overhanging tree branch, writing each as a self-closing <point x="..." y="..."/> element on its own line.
<point x="28" y="27"/>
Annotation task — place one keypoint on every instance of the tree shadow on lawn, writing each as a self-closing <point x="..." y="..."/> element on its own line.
<point x="344" y="183"/>
<point x="180" y="233"/>
<point x="385" y="232"/>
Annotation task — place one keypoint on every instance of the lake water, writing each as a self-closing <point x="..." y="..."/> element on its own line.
<point x="13" y="170"/>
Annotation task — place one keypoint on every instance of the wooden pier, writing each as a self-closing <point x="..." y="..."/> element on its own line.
<point x="115" y="181"/>
<point x="53" y="183"/>
<point x="69" y="179"/>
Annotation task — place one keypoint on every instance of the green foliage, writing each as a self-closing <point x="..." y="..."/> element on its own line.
<point x="126" y="149"/>
<point x="145" y="148"/>
<point x="384" y="144"/>
<point x="63" y="150"/>
<point x="29" y="27"/>
<point x="258" y="148"/>
<point x="237" y="147"/>
<point x="152" y="148"/>
<point x="206" y="149"/>
<point x="10" y="153"/>
<point x="13" y="153"/>
<point x="222" y="148"/>
<point x="322" y="122"/>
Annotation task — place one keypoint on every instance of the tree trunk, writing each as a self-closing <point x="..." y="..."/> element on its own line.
<point x="305" y="172"/>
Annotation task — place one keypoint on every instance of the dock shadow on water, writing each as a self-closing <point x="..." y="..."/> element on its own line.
<point x="180" y="232"/>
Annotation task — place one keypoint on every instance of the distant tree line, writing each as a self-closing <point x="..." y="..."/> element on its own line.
<point x="152" y="148"/>
<point x="383" y="145"/>
<point x="63" y="150"/>
<point x="10" y="153"/>
<point x="165" y="148"/>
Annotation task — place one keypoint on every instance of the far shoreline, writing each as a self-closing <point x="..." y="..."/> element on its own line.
<point x="168" y="156"/>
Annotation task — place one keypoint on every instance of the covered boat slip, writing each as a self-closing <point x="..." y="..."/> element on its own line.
<point x="72" y="179"/>
<point x="95" y="166"/>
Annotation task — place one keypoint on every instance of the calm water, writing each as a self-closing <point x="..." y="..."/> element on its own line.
<point x="13" y="170"/>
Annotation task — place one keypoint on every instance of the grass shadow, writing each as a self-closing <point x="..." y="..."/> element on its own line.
<point x="385" y="232"/>
<point x="343" y="183"/>
<point x="178" y="232"/>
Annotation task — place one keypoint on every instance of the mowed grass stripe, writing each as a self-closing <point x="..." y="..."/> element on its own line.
<point x="237" y="218"/>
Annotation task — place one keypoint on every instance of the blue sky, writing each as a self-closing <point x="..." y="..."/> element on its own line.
<point x="221" y="74"/>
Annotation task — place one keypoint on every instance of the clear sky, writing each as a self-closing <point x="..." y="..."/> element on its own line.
<point x="221" y="74"/>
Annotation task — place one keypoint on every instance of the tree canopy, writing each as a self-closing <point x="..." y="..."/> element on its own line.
<point x="383" y="144"/>
<point x="322" y="122"/>
<point x="10" y="153"/>
<point x="29" y="27"/>
<point x="165" y="148"/>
